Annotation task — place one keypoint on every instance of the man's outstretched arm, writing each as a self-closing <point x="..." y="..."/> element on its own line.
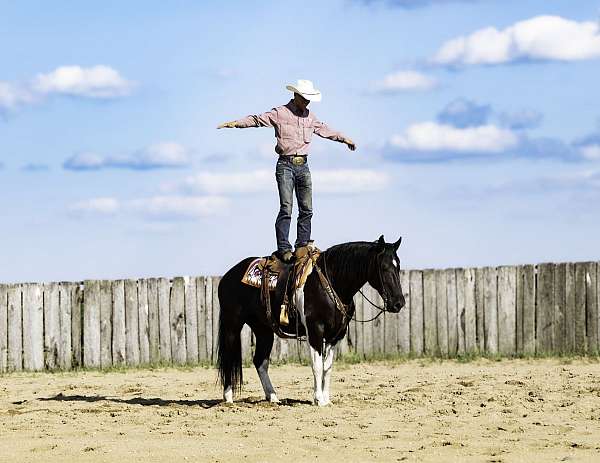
<point x="268" y="119"/>
<point x="324" y="131"/>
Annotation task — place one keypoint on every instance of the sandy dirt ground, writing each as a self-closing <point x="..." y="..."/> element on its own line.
<point x="481" y="411"/>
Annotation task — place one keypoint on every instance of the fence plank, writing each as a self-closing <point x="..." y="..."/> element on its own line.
<point x="430" y="312"/>
<point x="246" y="338"/>
<point x="143" y="321"/>
<point x="191" y="320"/>
<point x="469" y="276"/>
<point x="416" y="312"/>
<point x="480" y="308"/>
<point x="545" y="309"/>
<point x="64" y="347"/>
<point x="105" y="323"/>
<point x="132" y="324"/>
<point x="3" y="328"/>
<point x="33" y="327"/>
<point x="570" y="308"/>
<point x="591" y="304"/>
<point x="559" y="326"/>
<point x="403" y="323"/>
<point x="15" y="328"/>
<point x="91" y="324"/>
<point x="490" y="309"/>
<point x="164" y="319"/>
<point x="441" y="302"/>
<point x="452" y="307"/>
<point x="51" y="325"/>
<point x="177" y="309"/>
<point x="64" y="320"/>
<point x="359" y="329"/>
<point x="215" y="314"/>
<point x="598" y="301"/>
<point x="153" y="328"/>
<point x="529" y="310"/>
<point x="208" y="322"/>
<point x="201" y="317"/>
<point x="368" y="329"/>
<point x="77" y="325"/>
<point x="507" y="310"/>
<point x="119" y="326"/>
<point x="580" y="301"/>
<point x="378" y="324"/>
<point x="460" y="310"/>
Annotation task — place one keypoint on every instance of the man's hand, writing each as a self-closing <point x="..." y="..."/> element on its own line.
<point x="350" y="143"/>
<point x="227" y="125"/>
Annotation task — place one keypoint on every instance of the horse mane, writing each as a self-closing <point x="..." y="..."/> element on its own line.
<point x="343" y="257"/>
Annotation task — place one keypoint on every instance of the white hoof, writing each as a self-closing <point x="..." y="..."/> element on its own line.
<point x="273" y="398"/>
<point x="228" y="395"/>
<point x="321" y="403"/>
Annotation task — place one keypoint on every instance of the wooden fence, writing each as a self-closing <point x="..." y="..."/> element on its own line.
<point x="522" y="310"/>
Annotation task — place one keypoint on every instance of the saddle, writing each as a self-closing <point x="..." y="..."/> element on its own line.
<point x="271" y="274"/>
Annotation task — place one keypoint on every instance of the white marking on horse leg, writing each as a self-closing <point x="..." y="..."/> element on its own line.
<point x="327" y="369"/>
<point x="317" y="368"/>
<point x="273" y="398"/>
<point x="228" y="395"/>
<point x="315" y="357"/>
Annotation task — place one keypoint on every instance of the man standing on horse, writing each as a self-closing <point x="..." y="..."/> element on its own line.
<point x="294" y="125"/>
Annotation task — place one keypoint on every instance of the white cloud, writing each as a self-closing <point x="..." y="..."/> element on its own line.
<point x="93" y="82"/>
<point x="13" y="96"/>
<point x="538" y="38"/>
<point x="95" y="206"/>
<point x="258" y="181"/>
<point x="157" y="156"/>
<point x="349" y="181"/>
<point x="431" y="136"/>
<point x="404" y="81"/>
<point x="179" y="207"/>
<point x="153" y="208"/>
<point x="590" y="152"/>
<point x="230" y="182"/>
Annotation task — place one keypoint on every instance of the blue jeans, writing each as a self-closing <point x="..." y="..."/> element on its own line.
<point x="291" y="177"/>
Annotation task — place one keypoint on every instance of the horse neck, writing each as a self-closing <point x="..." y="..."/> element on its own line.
<point x="349" y="274"/>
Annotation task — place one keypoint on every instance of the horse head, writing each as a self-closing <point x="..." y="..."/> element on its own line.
<point x="384" y="274"/>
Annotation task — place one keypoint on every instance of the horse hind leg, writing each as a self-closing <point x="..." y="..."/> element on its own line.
<point x="262" y="352"/>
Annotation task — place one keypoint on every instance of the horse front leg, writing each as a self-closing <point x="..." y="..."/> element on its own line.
<point x="329" y="355"/>
<point x="316" y="357"/>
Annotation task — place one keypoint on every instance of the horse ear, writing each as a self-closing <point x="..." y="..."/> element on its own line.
<point x="381" y="241"/>
<point x="397" y="244"/>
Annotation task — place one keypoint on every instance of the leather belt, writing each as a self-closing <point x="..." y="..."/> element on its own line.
<point x="296" y="159"/>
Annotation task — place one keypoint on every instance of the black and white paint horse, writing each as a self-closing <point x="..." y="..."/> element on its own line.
<point x="347" y="267"/>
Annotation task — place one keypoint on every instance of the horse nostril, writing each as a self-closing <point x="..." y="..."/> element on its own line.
<point x="398" y="306"/>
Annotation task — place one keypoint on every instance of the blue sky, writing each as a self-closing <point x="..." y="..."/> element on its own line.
<point x="477" y="126"/>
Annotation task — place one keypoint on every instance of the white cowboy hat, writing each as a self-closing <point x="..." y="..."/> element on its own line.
<point x="306" y="89"/>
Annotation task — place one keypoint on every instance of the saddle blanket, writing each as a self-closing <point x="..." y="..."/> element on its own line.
<point x="254" y="272"/>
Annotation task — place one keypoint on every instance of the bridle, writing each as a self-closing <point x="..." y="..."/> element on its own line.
<point x="326" y="281"/>
<point x="384" y="295"/>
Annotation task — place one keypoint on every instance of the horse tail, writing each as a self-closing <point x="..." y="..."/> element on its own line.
<point x="229" y="348"/>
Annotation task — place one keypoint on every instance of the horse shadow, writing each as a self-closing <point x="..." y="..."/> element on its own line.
<point x="202" y="403"/>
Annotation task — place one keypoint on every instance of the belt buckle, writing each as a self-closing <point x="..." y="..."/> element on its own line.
<point x="297" y="160"/>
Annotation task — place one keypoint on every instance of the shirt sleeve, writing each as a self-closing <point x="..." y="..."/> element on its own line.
<point x="268" y="119"/>
<point x="324" y="131"/>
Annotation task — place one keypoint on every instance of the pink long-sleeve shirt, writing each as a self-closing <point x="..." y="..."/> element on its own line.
<point x="293" y="128"/>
